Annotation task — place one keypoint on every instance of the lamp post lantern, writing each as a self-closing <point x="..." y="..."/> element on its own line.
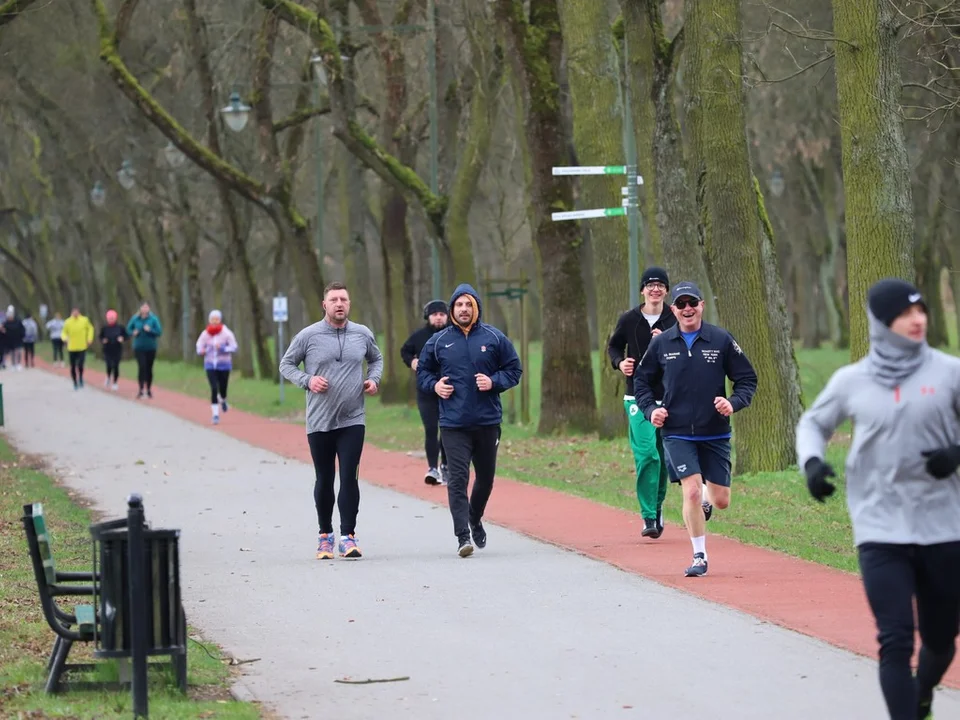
<point x="236" y="113"/>
<point x="777" y="183"/>
<point x="98" y="195"/>
<point x="126" y="175"/>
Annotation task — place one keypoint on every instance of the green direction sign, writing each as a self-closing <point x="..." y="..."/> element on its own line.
<point x="585" y="214"/>
<point x="591" y="170"/>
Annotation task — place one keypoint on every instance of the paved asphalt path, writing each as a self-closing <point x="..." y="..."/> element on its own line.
<point x="521" y="630"/>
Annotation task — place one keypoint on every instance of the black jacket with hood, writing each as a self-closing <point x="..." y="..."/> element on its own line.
<point x="459" y="354"/>
<point x="633" y="333"/>
<point x="414" y="344"/>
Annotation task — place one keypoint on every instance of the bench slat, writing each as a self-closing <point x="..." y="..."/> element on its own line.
<point x="86" y="618"/>
<point x="43" y="541"/>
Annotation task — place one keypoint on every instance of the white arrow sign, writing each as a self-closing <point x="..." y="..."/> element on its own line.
<point x="586" y="214"/>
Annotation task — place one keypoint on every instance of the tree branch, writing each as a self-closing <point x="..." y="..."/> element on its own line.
<point x="299" y="116"/>
<point x="10" y="9"/>
<point x="165" y="122"/>
<point x="124" y="17"/>
<point x="394" y="172"/>
<point x="388" y="167"/>
<point x="828" y="56"/>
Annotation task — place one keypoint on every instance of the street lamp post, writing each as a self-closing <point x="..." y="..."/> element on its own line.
<point x="434" y="140"/>
<point x="632" y="200"/>
<point x="317" y="62"/>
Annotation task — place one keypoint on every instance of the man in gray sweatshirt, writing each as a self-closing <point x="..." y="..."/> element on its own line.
<point x="332" y="352"/>
<point x="903" y="489"/>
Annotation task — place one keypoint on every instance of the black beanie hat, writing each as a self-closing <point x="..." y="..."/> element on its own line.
<point x="434" y="306"/>
<point x="654" y="274"/>
<point x="890" y="297"/>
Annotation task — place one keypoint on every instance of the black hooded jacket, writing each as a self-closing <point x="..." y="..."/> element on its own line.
<point x="633" y="335"/>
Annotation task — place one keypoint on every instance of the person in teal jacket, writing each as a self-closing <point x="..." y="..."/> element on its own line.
<point x="145" y="329"/>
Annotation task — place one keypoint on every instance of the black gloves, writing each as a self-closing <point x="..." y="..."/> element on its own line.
<point x="944" y="462"/>
<point x="817" y="473"/>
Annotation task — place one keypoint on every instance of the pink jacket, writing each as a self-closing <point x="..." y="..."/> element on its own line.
<point x="217" y="350"/>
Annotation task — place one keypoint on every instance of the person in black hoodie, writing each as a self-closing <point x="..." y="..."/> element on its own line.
<point x="435" y="315"/>
<point x="629" y="341"/>
<point x="112" y="337"/>
<point x="14" y="331"/>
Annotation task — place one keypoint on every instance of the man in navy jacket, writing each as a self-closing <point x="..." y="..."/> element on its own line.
<point x="693" y="360"/>
<point x="468" y="364"/>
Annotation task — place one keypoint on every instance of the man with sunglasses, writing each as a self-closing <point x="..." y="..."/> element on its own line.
<point x="693" y="360"/>
<point x="629" y="341"/>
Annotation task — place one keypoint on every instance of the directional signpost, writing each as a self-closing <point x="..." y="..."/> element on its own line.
<point x="628" y="207"/>
<point x="280" y="316"/>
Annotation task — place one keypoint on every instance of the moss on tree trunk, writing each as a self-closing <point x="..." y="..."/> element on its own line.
<point x="535" y="50"/>
<point x="876" y="179"/>
<point x="593" y="75"/>
<point x="739" y="241"/>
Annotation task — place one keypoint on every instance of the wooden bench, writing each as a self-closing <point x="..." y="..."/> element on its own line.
<point x="78" y="626"/>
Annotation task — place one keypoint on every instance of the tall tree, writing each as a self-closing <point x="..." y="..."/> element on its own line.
<point x="535" y="50"/>
<point x="738" y="238"/>
<point x="876" y="176"/>
<point x="594" y="77"/>
<point x="676" y="214"/>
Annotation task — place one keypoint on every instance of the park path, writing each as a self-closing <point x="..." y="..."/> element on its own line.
<point x="526" y="629"/>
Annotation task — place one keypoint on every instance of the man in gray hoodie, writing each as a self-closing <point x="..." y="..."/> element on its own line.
<point x="903" y="489"/>
<point x="333" y="352"/>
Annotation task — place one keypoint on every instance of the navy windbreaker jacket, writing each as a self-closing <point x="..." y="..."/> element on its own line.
<point x="459" y="356"/>
<point x="692" y="379"/>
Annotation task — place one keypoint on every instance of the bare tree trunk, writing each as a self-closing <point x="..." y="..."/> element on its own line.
<point x="535" y="50"/>
<point x="876" y="177"/>
<point x="594" y="77"/>
<point x="739" y="240"/>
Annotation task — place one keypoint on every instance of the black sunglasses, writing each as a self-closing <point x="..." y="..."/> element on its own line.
<point x="682" y="304"/>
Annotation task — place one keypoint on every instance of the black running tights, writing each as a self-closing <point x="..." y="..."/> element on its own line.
<point x="893" y="576"/>
<point x="76" y="365"/>
<point x="145" y="360"/>
<point x="343" y="445"/>
<point x="218" y="380"/>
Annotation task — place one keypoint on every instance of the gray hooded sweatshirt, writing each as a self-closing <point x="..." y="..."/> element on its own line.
<point x="903" y="399"/>
<point x="336" y="354"/>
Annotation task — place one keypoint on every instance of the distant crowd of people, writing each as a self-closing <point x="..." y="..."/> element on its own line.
<point x="72" y="338"/>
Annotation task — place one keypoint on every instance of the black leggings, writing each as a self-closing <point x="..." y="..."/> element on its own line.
<point x="145" y="360"/>
<point x="112" y="359"/>
<point x="76" y="365"/>
<point x="57" y="350"/>
<point x="429" y="406"/>
<point x="345" y="445"/>
<point x="29" y="351"/>
<point x="218" y="380"/>
<point x="479" y="446"/>
<point x="893" y="576"/>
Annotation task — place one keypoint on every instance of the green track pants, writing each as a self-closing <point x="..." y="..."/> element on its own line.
<point x="647" y="447"/>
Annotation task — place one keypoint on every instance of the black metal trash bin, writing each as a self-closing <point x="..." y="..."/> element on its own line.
<point x="165" y="620"/>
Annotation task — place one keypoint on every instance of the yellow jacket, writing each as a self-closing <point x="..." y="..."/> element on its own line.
<point x="77" y="333"/>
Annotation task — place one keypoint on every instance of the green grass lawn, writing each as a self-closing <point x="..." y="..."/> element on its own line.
<point x="26" y="640"/>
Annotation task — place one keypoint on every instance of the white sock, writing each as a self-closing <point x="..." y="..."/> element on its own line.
<point x="700" y="545"/>
<point x="216" y="410"/>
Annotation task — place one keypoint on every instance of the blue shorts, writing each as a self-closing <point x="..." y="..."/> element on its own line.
<point x="709" y="458"/>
